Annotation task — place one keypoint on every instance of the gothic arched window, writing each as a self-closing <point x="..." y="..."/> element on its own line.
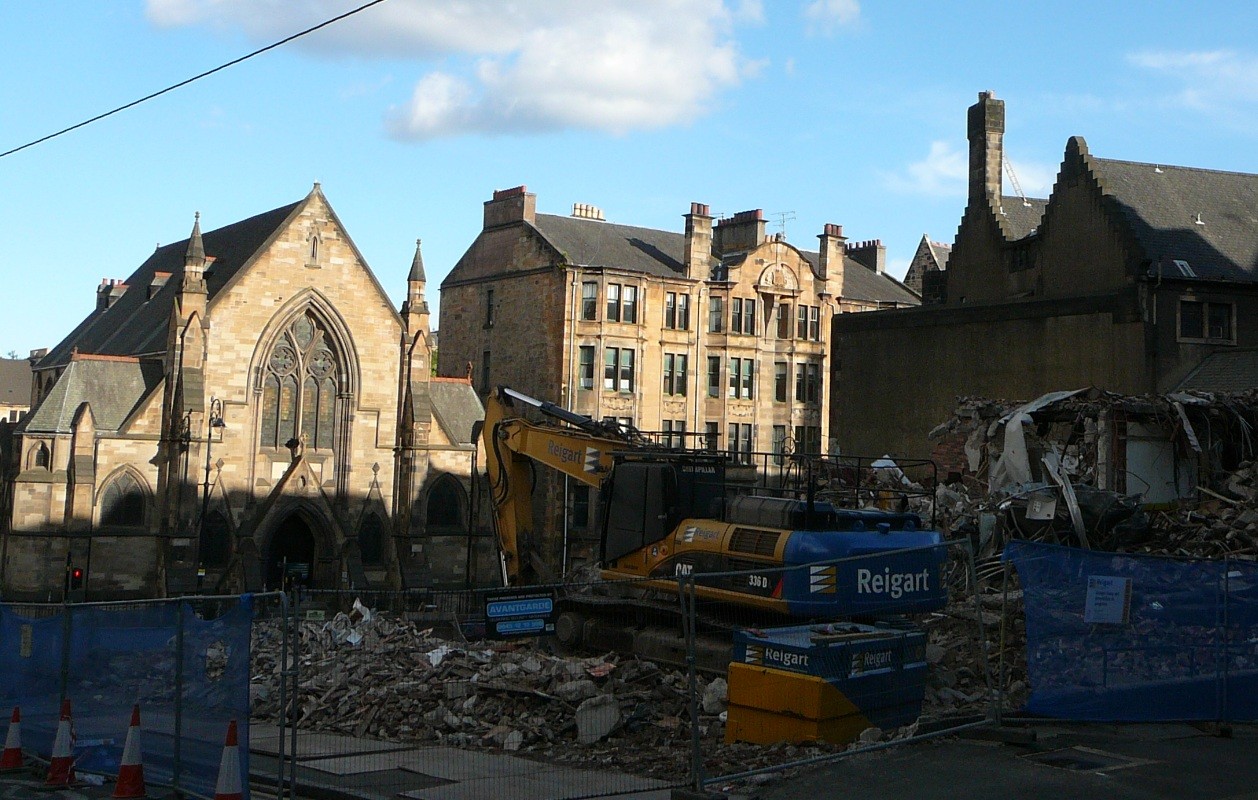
<point x="39" y="457"/>
<point x="215" y="547"/>
<point x="445" y="504"/>
<point x="122" y="502"/>
<point x="371" y="540"/>
<point x="299" y="387"/>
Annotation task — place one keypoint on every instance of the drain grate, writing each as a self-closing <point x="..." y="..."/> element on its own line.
<point x="1085" y="759"/>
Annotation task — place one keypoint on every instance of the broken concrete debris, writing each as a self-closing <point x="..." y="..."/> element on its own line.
<point x="1171" y="475"/>
<point x="404" y="682"/>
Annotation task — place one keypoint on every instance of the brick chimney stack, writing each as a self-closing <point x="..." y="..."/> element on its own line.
<point x="871" y="254"/>
<point x="697" y="257"/>
<point x="830" y="252"/>
<point x="108" y="292"/>
<point x="986" y="132"/>
<point x="743" y="231"/>
<point x="511" y="205"/>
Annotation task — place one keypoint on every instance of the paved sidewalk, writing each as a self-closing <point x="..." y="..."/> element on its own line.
<point x="333" y="767"/>
<point x="1115" y="762"/>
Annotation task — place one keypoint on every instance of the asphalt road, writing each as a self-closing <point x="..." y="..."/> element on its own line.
<point x="1108" y="762"/>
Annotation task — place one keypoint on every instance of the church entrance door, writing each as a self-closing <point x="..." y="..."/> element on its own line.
<point x="291" y="555"/>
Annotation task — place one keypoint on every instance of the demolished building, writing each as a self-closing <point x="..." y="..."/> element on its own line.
<point x="1099" y="469"/>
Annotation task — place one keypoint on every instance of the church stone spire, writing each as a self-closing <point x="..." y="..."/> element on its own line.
<point x="416" y="306"/>
<point x="417" y="265"/>
<point x="194" y="260"/>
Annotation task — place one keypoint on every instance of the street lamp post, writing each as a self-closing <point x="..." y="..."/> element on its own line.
<point x="214" y="419"/>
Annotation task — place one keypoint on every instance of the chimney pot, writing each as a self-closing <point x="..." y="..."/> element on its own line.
<point x="511" y="205"/>
<point x="514" y="191"/>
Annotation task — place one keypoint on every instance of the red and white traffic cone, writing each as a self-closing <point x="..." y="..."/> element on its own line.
<point x="61" y="768"/>
<point x="11" y="759"/>
<point x="131" y="772"/>
<point x="229" y="787"/>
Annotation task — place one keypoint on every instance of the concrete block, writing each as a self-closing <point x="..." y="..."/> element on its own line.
<point x="596" y="718"/>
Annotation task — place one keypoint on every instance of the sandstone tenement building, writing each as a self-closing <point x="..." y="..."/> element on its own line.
<point x="246" y="409"/>
<point x="716" y="335"/>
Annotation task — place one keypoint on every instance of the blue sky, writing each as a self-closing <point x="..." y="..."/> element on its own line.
<point x="412" y="112"/>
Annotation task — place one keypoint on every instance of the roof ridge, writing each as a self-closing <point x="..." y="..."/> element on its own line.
<point x="1164" y="167"/>
<point x="607" y="223"/>
<point x="77" y="356"/>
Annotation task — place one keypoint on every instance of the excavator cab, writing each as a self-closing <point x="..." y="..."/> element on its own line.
<point x="648" y="495"/>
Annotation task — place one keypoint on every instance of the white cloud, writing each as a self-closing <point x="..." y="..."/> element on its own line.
<point x="945" y="170"/>
<point x="613" y="65"/>
<point x="1216" y="81"/>
<point x="1036" y="179"/>
<point x="942" y="173"/>
<point x="827" y="16"/>
<point x="749" y="11"/>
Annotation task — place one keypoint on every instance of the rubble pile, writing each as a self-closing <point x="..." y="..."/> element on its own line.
<point x="385" y="678"/>
<point x="1064" y="449"/>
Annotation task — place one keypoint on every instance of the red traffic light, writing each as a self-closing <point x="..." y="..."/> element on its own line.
<point x="77" y="573"/>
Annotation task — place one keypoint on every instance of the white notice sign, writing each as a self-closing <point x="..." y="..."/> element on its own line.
<point x="1109" y="600"/>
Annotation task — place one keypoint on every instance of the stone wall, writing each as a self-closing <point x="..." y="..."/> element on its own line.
<point x="900" y="372"/>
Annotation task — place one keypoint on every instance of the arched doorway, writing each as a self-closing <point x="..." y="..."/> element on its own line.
<point x="292" y="548"/>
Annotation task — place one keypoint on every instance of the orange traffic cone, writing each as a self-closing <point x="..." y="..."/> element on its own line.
<point x="229" y="787"/>
<point x="131" y="773"/>
<point x="12" y="756"/>
<point x="61" y="768"/>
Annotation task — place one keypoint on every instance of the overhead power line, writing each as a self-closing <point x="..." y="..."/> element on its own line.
<point x="183" y="83"/>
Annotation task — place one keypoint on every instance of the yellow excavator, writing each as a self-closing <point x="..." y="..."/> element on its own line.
<point x="790" y="550"/>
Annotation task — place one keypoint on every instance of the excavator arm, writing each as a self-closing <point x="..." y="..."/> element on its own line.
<point x="581" y="448"/>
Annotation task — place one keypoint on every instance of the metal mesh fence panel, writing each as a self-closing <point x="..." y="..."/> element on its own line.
<point x="1119" y="637"/>
<point x="783" y="686"/>
<point x="184" y="662"/>
<point x="416" y="691"/>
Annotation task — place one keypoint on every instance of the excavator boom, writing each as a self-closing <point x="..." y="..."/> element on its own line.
<point x="513" y="444"/>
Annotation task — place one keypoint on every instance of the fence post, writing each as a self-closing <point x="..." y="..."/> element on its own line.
<point x="1001" y="679"/>
<point x="177" y="766"/>
<point x="293" y="623"/>
<point x="972" y="580"/>
<point x="279" y="784"/>
<point x="686" y="585"/>
<point x="1225" y="715"/>
<point x="67" y="632"/>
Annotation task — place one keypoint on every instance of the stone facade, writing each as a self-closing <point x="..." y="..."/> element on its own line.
<point x="246" y="410"/>
<point x="925" y="274"/>
<point x="714" y="336"/>
<point x="1125" y="279"/>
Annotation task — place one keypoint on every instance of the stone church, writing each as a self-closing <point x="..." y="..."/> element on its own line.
<point x="246" y="410"/>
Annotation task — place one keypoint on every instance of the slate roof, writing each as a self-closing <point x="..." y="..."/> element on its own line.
<point x="115" y="388"/>
<point x="1022" y="214"/>
<point x="941" y="252"/>
<point x="136" y="325"/>
<point x="15" y="381"/>
<point x="1163" y="203"/>
<point x="1224" y="371"/>
<point x="591" y="243"/>
<point x="863" y="284"/>
<point x="456" y="407"/>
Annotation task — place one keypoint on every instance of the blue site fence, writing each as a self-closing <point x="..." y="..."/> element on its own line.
<point x="185" y="662"/>
<point x="1134" y="638"/>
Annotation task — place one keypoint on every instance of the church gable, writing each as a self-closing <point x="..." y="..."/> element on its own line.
<point x="310" y="265"/>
